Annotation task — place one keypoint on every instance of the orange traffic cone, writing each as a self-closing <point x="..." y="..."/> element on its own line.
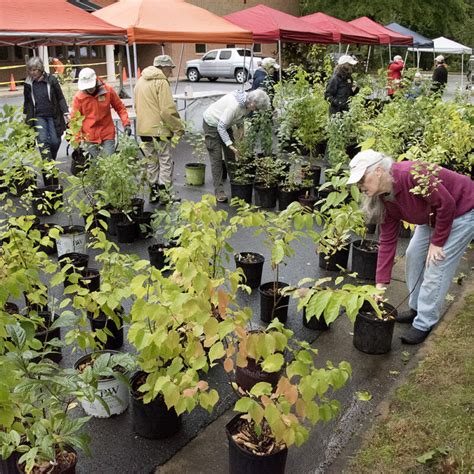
<point x="139" y="73"/>
<point x="124" y="75"/>
<point x="12" y="83"/>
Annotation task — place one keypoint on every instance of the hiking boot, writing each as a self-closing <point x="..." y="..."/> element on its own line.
<point x="154" y="194"/>
<point x="221" y="197"/>
<point x="406" y="317"/>
<point x="414" y="336"/>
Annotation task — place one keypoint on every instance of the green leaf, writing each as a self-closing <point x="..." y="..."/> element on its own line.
<point x="261" y="388"/>
<point x="428" y="456"/>
<point x="273" y="363"/>
<point x="364" y="396"/>
<point x="243" y="405"/>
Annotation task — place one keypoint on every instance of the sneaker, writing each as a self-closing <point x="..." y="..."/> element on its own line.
<point x="221" y="197"/>
<point x="406" y="317"/>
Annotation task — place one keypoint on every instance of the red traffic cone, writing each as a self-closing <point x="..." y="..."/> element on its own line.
<point x="124" y="75"/>
<point x="139" y="73"/>
<point x="12" y="83"/>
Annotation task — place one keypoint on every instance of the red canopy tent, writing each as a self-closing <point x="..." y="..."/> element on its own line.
<point x="269" y="25"/>
<point x="342" y="31"/>
<point x="385" y="35"/>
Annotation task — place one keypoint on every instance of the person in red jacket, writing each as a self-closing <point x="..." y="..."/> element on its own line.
<point x="395" y="69"/>
<point x="93" y="101"/>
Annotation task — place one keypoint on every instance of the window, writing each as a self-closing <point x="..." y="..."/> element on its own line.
<point x="210" y="56"/>
<point x="19" y="53"/>
<point x="200" y="48"/>
<point x="3" y="53"/>
<point x="83" y="53"/>
<point x="97" y="51"/>
<point x="244" y="52"/>
<point x="225" y="54"/>
<point x="230" y="46"/>
<point x="71" y="52"/>
<point x="257" y="48"/>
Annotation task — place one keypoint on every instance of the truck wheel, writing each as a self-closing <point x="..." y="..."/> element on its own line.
<point x="193" y="75"/>
<point x="241" y="75"/>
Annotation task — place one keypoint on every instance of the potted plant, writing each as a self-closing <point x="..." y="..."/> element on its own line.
<point x="267" y="176"/>
<point x="293" y="183"/>
<point x="196" y="171"/>
<point x="364" y="258"/>
<point x="251" y="264"/>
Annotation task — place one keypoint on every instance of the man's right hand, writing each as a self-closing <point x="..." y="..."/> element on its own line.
<point x="234" y="151"/>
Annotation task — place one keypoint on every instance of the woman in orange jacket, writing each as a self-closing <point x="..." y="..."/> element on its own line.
<point x="395" y="69"/>
<point x="93" y="101"/>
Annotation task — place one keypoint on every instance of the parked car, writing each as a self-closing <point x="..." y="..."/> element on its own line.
<point x="225" y="63"/>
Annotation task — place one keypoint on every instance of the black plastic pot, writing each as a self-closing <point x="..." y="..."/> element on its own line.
<point x="314" y="323"/>
<point x="44" y="202"/>
<point x="57" y="470"/>
<point x="113" y="220"/>
<point x="79" y="161"/>
<point x="45" y="334"/>
<point x="157" y="255"/>
<point x="315" y="172"/>
<point x="152" y="420"/>
<point x="285" y="198"/>
<point x="268" y="309"/>
<point x="340" y="258"/>
<point x="252" y="269"/>
<point x="44" y="231"/>
<point x="137" y="206"/>
<point x="265" y="197"/>
<point x="352" y="150"/>
<point x="9" y="466"/>
<point x="50" y="180"/>
<point x="364" y="261"/>
<point x="242" y="191"/>
<point x="78" y="261"/>
<point x="127" y="231"/>
<point x="307" y="201"/>
<point x="242" y="461"/>
<point x="20" y="186"/>
<point x="90" y="280"/>
<point x="371" y="334"/>
<point x="11" y="308"/>
<point x="144" y="224"/>
<point x="371" y="228"/>
<point x="247" y="377"/>
<point x="102" y="321"/>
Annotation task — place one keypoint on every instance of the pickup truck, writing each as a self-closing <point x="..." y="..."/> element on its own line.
<point x="225" y="63"/>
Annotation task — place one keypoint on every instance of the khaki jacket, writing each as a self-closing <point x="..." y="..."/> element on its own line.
<point x="156" y="111"/>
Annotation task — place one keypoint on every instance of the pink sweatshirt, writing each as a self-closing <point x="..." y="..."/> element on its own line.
<point x="451" y="198"/>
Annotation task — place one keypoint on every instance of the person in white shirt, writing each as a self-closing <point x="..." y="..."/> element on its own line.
<point x="218" y="120"/>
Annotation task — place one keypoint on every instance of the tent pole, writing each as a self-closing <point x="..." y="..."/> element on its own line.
<point x="129" y="64"/>
<point x="179" y="67"/>
<point x="389" y="52"/>
<point x="340" y="48"/>
<point x="135" y="60"/>
<point x="347" y="49"/>
<point x="279" y="57"/>
<point x="462" y="73"/>
<point x="368" y="59"/>
<point x="406" y="56"/>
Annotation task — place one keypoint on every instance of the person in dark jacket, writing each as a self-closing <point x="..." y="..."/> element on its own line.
<point x="45" y="107"/>
<point x="440" y="75"/>
<point x="266" y="76"/>
<point x="340" y="87"/>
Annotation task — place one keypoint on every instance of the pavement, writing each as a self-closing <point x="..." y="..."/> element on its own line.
<point x="201" y="446"/>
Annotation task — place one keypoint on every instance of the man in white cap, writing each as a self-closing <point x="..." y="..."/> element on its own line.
<point x="264" y="76"/>
<point x="340" y="87"/>
<point x="93" y="101"/>
<point x="157" y="122"/>
<point x="440" y="75"/>
<point x="443" y="211"/>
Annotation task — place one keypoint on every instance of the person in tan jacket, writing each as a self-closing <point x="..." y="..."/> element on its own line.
<point x="157" y="122"/>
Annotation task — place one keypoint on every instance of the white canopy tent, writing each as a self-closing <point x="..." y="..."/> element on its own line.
<point x="447" y="46"/>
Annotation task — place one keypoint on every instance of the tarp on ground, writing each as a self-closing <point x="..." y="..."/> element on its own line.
<point x="385" y="35"/>
<point x="419" y="41"/>
<point x="446" y="46"/>
<point x="33" y="22"/>
<point x="342" y="31"/>
<point x="269" y="25"/>
<point x="153" y="21"/>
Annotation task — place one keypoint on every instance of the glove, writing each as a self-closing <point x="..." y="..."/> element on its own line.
<point x="127" y="130"/>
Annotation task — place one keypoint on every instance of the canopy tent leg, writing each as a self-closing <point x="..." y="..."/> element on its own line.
<point x="368" y="59"/>
<point x="462" y="73"/>
<point x="347" y="49"/>
<point x="135" y="60"/>
<point x="389" y="52"/>
<point x="279" y="57"/>
<point x="109" y="59"/>
<point x="340" y="48"/>
<point x="129" y="67"/>
<point x="179" y="67"/>
<point x="406" y="56"/>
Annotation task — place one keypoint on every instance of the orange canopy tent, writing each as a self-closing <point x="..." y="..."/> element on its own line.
<point x="155" y="21"/>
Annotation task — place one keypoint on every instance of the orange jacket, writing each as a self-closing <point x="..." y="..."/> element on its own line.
<point x="98" y="125"/>
<point x="58" y="66"/>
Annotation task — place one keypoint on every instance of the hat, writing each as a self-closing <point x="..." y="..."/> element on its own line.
<point x="397" y="58"/>
<point x="418" y="75"/>
<point x="270" y="62"/>
<point x="87" y="79"/>
<point x="361" y="162"/>
<point x="346" y="59"/>
<point x="163" y="61"/>
<point x="439" y="59"/>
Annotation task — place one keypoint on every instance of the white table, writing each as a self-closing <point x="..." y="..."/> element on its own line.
<point x="194" y="97"/>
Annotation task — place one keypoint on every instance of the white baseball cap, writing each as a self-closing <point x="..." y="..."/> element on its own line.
<point x="269" y="62"/>
<point x="87" y="79"/>
<point x="397" y="58"/>
<point x="439" y="59"/>
<point x="361" y="162"/>
<point x="346" y="59"/>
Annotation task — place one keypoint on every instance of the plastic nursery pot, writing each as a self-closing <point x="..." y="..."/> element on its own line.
<point x="157" y="256"/>
<point x="247" y="377"/>
<point x="371" y="334"/>
<point x="20" y="186"/>
<point x="112" y="391"/>
<point x="44" y="334"/>
<point x="242" y="191"/>
<point x="115" y="339"/>
<point x="195" y="173"/>
<point x="66" y="461"/>
<point x="78" y="263"/>
<point x="252" y="265"/>
<point x="127" y="231"/>
<point x="285" y="198"/>
<point x="72" y="239"/>
<point x="9" y="465"/>
<point x="151" y="420"/>
<point x="364" y="258"/>
<point x="307" y="201"/>
<point x="144" y="224"/>
<point x="314" y="323"/>
<point x="315" y="174"/>
<point x="271" y="308"/>
<point x="241" y="460"/>
<point x="44" y="231"/>
<point x="11" y="308"/>
<point x="265" y="197"/>
<point x="113" y="220"/>
<point x="90" y="279"/>
<point x="137" y="206"/>
<point x="334" y="261"/>
<point x="50" y="180"/>
<point x="44" y="200"/>
<point x="371" y="228"/>
<point x="79" y="161"/>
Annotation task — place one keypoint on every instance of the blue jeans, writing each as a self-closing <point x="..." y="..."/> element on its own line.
<point x="429" y="286"/>
<point x="48" y="140"/>
<point x="107" y="148"/>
